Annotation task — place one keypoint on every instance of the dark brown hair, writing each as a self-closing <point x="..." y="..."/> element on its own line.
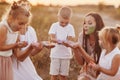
<point x="99" y="26"/>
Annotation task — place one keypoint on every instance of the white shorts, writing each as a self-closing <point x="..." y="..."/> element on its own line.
<point x="59" y="66"/>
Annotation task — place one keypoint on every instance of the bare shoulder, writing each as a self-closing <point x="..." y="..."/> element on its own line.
<point x="117" y="57"/>
<point x="3" y="29"/>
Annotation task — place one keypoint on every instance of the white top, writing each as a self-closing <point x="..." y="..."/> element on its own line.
<point x="25" y="70"/>
<point x="30" y="36"/>
<point x="11" y="38"/>
<point x="106" y="62"/>
<point x="61" y="51"/>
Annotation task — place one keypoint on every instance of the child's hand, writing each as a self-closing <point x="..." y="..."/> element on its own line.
<point x="75" y="45"/>
<point x="93" y="65"/>
<point x="48" y="44"/>
<point x="68" y="43"/>
<point x="22" y="44"/>
<point x="59" y="41"/>
<point x="37" y="45"/>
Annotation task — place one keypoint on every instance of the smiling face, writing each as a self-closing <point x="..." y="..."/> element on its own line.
<point x="89" y="25"/>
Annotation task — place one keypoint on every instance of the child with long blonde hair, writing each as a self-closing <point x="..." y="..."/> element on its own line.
<point x="109" y="63"/>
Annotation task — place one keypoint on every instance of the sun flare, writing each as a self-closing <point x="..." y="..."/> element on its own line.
<point x="72" y="2"/>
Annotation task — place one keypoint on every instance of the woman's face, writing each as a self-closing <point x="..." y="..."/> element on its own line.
<point x="89" y="25"/>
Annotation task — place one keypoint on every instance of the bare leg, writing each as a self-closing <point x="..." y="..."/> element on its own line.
<point x="84" y="78"/>
<point x="53" y="77"/>
<point x="63" y="77"/>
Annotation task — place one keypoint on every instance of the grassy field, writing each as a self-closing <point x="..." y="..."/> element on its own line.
<point x="42" y="19"/>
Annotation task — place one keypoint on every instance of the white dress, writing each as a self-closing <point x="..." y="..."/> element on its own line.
<point x="106" y="62"/>
<point x="25" y="70"/>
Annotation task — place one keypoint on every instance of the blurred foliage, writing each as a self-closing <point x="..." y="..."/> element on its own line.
<point x="117" y="16"/>
<point x="101" y="6"/>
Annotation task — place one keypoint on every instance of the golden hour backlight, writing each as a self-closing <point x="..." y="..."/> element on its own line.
<point x="72" y="2"/>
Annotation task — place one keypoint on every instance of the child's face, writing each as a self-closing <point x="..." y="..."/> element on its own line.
<point x="19" y="23"/>
<point x="102" y="43"/>
<point x="89" y="25"/>
<point x="63" y="22"/>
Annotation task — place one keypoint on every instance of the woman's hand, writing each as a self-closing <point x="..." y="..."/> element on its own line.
<point x="76" y="45"/>
<point x="68" y="43"/>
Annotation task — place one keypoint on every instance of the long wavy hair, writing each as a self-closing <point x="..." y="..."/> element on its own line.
<point x="99" y="26"/>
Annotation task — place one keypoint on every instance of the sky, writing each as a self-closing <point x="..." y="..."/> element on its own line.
<point x="73" y="2"/>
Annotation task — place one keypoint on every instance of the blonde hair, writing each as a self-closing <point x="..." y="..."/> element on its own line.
<point x="26" y="5"/>
<point x="65" y="12"/>
<point x="15" y="11"/>
<point x="110" y="36"/>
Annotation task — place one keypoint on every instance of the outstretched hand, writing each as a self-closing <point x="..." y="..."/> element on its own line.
<point x="68" y="43"/>
<point x="48" y="44"/>
<point x="71" y="44"/>
<point x="37" y="45"/>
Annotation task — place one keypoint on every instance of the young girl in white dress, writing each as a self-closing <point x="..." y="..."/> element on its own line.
<point x="25" y="70"/>
<point x="8" y="39"/>
<point x="109" y="64"/>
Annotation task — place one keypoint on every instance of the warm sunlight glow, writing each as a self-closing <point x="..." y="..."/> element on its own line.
<point x="72" y="2"/>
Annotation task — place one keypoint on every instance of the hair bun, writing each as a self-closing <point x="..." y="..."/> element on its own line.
<point x="117" y="27"/>
<point x="14" y="6"/>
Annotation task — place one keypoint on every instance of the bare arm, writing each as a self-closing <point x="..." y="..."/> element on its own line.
<point x="78" y="56"/>
<point x="37" y="47"/>
<point x="114" y="67"/>
<point x="53" y="38"/>
<point x="85" y="55"/>
<point x="3" y="37"/>
<point x="21" y="55"/>
<point x="70" y="38"/>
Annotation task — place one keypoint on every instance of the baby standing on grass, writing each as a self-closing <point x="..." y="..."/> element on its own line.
<point x="60" y="55"/>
